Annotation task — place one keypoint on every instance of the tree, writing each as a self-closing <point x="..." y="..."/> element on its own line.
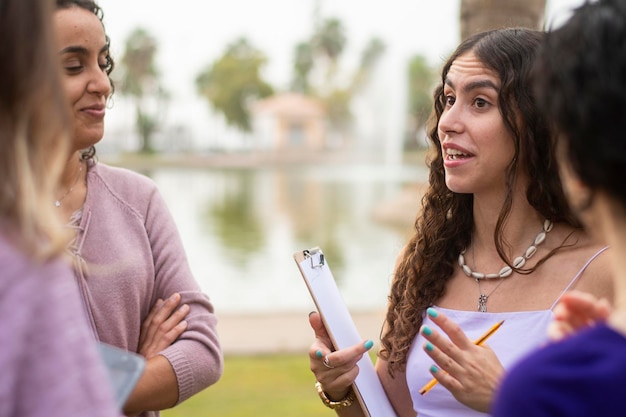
<point x="232" y="81"/>
<point x="421" y="80"/>
<point x="302" y="66"/>
<point x="329" y="41"/>
<point x="338" y="100"/>
<point x="140" y="80"/>
<point x="370" y="56"/>
<point x="480" y="15"/>
<point x="320" y="56"/>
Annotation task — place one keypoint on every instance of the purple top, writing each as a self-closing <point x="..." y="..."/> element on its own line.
<point x="127" y="254"/>
<point x="520" y="334"/>
<point x="49" y="361"/>
<point x="583" y="375"/>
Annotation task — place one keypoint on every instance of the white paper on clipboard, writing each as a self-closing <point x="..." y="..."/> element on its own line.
<point x="342" y="330"/>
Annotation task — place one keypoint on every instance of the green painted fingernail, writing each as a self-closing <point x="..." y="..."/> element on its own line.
<point x="368" y="345"/>
<point x="429" y="347"/>
<point x="432" y="312"/>
<point x="434" y="369"/>
<point x="427" y="331"/>
<point x="318" y="353"/>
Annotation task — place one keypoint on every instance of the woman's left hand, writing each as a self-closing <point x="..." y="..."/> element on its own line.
<point x="469" y="371"/>
<point x="162" y="326"/>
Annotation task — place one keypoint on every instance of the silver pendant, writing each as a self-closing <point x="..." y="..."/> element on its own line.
<point x="482" y="303"/>
<point x="57" y="203"/>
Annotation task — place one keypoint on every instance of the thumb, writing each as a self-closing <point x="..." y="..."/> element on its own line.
<point x="315" y="320"/>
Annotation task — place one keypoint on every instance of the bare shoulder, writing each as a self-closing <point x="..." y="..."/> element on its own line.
<point x="595" y="271"/>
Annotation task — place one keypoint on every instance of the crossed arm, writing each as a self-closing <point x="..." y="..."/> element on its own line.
<point x="157" y="388"/>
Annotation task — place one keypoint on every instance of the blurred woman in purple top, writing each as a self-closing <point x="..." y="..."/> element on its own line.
<point x="581" y="85"/>
<point x="49" y="361"/>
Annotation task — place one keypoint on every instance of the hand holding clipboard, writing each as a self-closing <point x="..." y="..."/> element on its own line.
<point x="342" y="330"/>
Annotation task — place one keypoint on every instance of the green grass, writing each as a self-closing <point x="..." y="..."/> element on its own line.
<point x="261" y="386"/>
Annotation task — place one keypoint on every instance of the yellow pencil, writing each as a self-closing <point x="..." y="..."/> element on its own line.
<point x="477" y="342"/>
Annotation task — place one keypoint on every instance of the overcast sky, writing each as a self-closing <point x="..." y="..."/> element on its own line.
<point x="194" y="33"/>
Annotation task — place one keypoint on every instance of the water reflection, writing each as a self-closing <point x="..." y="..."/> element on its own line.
<point x="241" y="227"/>
<point x="234" y="220"/>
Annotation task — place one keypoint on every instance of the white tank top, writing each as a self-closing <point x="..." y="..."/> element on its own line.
<point x="521" y="332"/>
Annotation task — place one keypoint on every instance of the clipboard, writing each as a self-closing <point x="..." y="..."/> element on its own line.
<point x="342" y="330"/>
<point x="124" y="369"/>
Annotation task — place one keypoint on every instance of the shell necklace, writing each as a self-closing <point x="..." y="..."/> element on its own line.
<point x="518" y="262"/>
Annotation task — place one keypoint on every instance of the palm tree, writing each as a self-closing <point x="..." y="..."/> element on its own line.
<point x="422" y="79"/>
<point x="479" y="15"/>
<point x="302" y="67"/>
<point x="141" y="81"/>
<point x="329" y="41"/>
<point x="370" y="56"/>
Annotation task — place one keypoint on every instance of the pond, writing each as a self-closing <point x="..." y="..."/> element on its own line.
<point x="241" y="227"/>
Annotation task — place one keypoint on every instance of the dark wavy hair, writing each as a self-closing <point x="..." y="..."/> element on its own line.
<point x="581" y="85"/>
<point x="444" y="226"/>
<point x="93" y="7"/>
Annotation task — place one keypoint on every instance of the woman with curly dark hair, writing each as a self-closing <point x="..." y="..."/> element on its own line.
<point x="129" y="262"/>
<point x="494" y="241"/>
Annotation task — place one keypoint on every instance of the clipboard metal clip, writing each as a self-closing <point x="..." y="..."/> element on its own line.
<point x="316" y="255"/>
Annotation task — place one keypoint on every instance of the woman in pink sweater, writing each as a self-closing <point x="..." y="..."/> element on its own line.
<point x="49" y="361"/>
<point x="127" y="252"/>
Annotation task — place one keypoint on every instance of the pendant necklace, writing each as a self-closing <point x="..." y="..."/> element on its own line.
<point x="518" y="262"/>
<point x="482" y="297"/>
<point x="57" y="203"/>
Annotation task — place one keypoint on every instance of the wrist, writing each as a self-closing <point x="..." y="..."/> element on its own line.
<point x="346" y="401"/>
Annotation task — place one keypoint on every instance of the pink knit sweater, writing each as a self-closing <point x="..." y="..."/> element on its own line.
<point x="127" y="254"/>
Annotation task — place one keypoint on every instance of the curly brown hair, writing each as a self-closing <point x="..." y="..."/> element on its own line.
<point x="444" y="226"/>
